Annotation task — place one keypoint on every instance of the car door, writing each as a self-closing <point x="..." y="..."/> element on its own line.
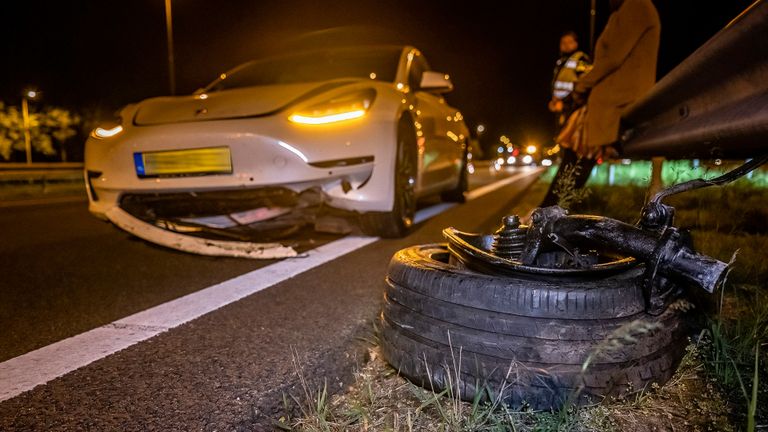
<point x="439" y="149"/>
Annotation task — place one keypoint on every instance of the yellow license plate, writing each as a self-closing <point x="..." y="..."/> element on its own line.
<point x="202" y="161"/>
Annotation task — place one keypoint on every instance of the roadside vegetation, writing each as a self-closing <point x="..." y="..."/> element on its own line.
<point x="721" y="385"/>
<point x="49" y="130"/>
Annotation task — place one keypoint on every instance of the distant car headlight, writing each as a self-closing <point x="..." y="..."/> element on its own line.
<point x="107" y="131"/>
<point x="348" y="106"/>
<point x="527" y="159"/>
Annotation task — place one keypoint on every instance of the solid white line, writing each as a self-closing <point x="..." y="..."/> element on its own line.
<point x="37" y="367"/>
<point x="40" y="366"/>
<point x="477" y="193"/>
<point x="430" y="212"/>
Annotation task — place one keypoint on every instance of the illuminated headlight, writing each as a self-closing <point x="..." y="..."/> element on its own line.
<point x="106" y="132"/>
<point x="527" y="159"/>
<point x="546" y="162"/>
<point x="348" y="106"/>
<point x="500" y="161"/>
<point x="510" y="160"/>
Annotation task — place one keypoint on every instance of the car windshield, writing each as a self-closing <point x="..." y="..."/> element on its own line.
<point x="377" y="63"/>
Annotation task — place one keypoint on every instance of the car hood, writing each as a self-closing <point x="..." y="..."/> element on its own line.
<point x="227" y="104"/>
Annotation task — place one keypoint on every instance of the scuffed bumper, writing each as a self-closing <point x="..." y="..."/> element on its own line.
<point x="197" y="245"/>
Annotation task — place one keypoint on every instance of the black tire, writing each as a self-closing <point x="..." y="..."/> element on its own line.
<point x="530" y="351"/>
<point x="424" y="269"/>
<point x="398" y="222"/>
<point x="457" y="194"/>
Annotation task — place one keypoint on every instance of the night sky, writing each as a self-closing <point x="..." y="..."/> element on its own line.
<point x="97" y="55"/>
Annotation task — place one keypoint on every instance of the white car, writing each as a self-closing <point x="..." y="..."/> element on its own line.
<point x="359" y="130"/>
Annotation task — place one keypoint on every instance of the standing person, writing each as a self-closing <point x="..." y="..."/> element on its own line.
<point x="571" y="65"/>
<point x="623" y="71"/>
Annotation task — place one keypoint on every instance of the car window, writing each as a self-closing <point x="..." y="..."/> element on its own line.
<point x="377" y="63"/>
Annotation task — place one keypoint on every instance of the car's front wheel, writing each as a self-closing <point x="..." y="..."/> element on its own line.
<point x="398" y="222"/>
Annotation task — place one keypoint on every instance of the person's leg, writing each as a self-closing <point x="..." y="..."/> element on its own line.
<point x="569" y="159"/>
<point x="656" y="185"/>
<point x="582" y="174"/>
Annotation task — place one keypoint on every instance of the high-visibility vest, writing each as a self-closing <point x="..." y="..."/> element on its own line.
<point x="567" y="72"/>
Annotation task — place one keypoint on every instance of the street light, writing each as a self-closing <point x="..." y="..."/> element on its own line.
<point x="169" y="34"/>
<point x="29" y="94"/>
<point x="592" y="16"/>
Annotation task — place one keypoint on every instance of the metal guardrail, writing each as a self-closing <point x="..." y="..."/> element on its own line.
<point x="714" y="104"/>
<point x="29" y="176"/>
<point x="37" y="166"/>
<point x="20" y="182"/>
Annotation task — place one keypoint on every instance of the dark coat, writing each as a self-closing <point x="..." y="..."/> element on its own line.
<point x="623" y="71"/>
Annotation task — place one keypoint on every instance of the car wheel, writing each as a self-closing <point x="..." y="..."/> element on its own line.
<point x="526" y="340"/>
<point x="398" y="222"/>
<point x="457" y="194"/>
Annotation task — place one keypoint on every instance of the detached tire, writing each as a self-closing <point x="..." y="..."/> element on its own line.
<point x="398" y="222"/>
<point x="522" y="338"/>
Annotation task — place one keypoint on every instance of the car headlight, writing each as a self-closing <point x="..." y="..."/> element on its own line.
<point x="107" y="131"/>
<point x="348" y="106"/>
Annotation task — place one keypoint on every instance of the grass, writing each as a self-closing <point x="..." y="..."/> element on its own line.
<point x="734" y="338"/>
<point x="380" y="400"/>
<point x="721" y="385"/>
<point x="721" y="221"/>
<point x="638" y="173"/>
<point x="565" y="190"/>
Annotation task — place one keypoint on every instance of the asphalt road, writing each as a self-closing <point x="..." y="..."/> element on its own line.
<point x="64" y="273"/>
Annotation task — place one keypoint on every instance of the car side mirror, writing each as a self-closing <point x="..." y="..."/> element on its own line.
<point x="435" y="82"/>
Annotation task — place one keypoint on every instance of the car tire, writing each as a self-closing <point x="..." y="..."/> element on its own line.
<point x="398" y="222"/>
<point x="457" y="194"/>
<point x="527" y="340"/>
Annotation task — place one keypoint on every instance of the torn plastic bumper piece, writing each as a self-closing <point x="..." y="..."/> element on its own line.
<point x="267" y="213"/>
<point x="172" y="205"/>
<point x="196" y="245"/>
<point x="235" y="223"/>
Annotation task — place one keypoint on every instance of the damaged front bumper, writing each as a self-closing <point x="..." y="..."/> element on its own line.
<point x="235" y="223"/>
<point x="196" y="245"/>
<point x="266" y="213"/>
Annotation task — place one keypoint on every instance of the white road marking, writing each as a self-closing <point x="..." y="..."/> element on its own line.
<point x="27" y="371"/>
<point x="477" y="193"/>
<point x="37" y="367"/>
<point x="430" y="212"/>
<point x="436" y="209"/>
